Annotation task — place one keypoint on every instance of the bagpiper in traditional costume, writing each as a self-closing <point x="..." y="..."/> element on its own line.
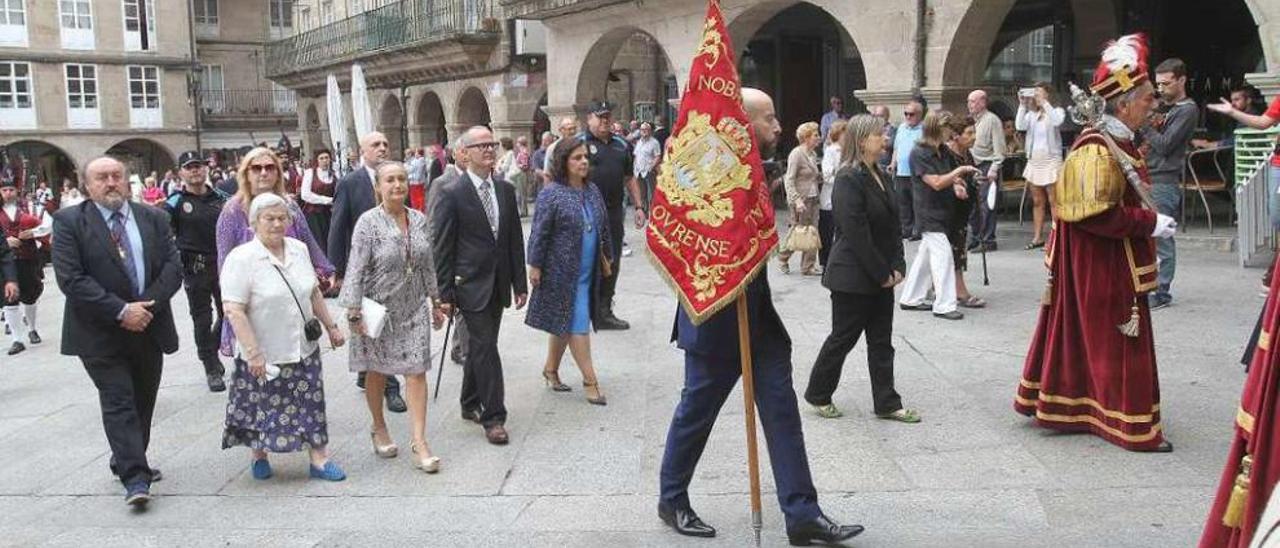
<point x="21" y="230"/>
<point x="1092" y="365"/>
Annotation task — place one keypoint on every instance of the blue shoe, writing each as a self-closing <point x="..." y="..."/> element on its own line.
<point x="330" y="472"/>
<point x="261" y="469"/>
<point x="137" y="494"/>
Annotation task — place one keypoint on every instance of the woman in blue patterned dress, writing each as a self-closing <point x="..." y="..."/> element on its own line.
<point x="566" y="249"/>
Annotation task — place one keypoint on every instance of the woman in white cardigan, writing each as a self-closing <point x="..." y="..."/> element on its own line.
<point x="1041" y="120"/>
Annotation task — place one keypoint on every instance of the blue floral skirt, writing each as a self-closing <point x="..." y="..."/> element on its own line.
<point x="281" y="415"/>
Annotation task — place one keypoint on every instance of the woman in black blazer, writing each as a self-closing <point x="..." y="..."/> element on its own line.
<point x="866" y="262"/>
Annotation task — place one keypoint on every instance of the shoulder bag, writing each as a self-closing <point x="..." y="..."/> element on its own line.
<point x="310" y="327"/>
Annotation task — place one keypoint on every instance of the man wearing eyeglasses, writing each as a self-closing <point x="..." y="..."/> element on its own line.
<point x="904" y="141"/>
<point x="193" y="216"/>
<point x="353" y="197"/>
<point x="1166" y="140"/>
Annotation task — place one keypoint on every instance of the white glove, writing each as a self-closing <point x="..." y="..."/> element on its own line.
<point x="1166" y="227"/>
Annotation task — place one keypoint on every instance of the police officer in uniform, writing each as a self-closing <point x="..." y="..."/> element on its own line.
<point x="193" y="214"/>
<point x="611" y="171"/>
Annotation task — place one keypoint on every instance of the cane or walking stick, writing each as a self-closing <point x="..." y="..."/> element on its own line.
<point x="443" y="351"/>
<point x="749" y="406"/>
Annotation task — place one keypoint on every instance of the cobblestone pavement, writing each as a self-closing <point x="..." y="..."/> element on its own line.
<point x="972" y="474"/>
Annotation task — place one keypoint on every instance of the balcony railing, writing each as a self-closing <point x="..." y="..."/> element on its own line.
<point x="257" y="102"/>
<point x="543" y="9"/>
<point x="398" y="24"/>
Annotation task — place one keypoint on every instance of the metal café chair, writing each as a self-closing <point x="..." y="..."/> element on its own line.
<point x="1214" y="181"/>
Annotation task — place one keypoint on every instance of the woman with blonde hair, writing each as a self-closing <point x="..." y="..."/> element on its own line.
<point x="391" y="264"/>
<point x="866" y="263"/>
<point x="802" y="182"/>
<point x="261" y="172"/>
<point x="938" y="182"/>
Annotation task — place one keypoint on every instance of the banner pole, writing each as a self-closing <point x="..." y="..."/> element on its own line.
<point x="749" y="406"/>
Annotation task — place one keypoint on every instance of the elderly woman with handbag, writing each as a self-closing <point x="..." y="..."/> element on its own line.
<point x="391" y="264"/>
<point x="567" y="263"/>
<point x="271" y="298"/>
<point x="802" y="182"/>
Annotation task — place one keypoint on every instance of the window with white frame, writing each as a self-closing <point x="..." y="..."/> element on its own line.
<point x="206" y="17"/>
<point x="13" y="23"/>
<point x="212" y="91"/>
<point x="133" y="24"/>
<point x="281" y="12"/>
<point x="17" y="98"/>
<point x="144" y="96"/>
<point x="76" y="17"/>
<point x="82" y="96"/>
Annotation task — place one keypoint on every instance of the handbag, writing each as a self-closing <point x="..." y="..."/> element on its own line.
<point x="310" y="327"/>
<point x="606" y="266"/>
<point x="803" y="238"/>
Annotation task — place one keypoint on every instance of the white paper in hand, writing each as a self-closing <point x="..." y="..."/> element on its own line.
<point x="374" y="315"/>
<point x="991" y="195"/>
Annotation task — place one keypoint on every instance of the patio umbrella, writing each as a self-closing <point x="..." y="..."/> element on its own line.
<point x="337" y="122"/>
<point x="360" y="109"/>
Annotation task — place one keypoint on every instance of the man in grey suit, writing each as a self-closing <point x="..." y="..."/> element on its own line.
<point x="353" y="197"/>
<point x="451" y="173"/>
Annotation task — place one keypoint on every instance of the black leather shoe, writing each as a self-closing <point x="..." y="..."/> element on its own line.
<point x="611" y="322"/>
<point x="685" y="521"/>
<point x="16" y="348"/>
<point x="823" y="530"/>
<point x="471" y="415"/>
<point x="216" y="384"/>
<point x="395" y="403"/>
<point x="34" y="337"/>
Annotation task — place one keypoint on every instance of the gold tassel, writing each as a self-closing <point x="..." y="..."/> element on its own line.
<point x="1233" y="516"/>
<point x="1046" y="298"/>
<point x="1130" y="328"/>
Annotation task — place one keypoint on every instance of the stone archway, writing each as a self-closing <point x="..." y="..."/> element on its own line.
<point x="629" y="68"/>
<point x="391" y="124"/>
<point x="429" y="120"/>
<point x="142" y="156"/>
<point x="472" y="109"/>
<point x="31" y="162"/>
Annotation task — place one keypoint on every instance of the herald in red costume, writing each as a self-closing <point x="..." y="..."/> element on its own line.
<point x="1091" y="365"/>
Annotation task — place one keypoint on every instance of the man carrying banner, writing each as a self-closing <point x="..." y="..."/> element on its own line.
<point x="1092" y="362"/>
<point x="710" y="232"/>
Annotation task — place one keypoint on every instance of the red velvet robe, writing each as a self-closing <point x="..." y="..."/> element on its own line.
<point x="1081" y="372"/>
<point x="1255" y="436"/>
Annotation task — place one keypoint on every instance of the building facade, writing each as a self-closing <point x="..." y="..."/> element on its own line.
<point x="437" y="66"/>
<point x="78" y="79"/>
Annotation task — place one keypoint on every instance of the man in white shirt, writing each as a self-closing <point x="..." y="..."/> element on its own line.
<point x="647" y="154"/>
<point x="989" y="152"/>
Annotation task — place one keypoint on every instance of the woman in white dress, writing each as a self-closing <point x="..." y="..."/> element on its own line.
<point x="1041" y="120"/>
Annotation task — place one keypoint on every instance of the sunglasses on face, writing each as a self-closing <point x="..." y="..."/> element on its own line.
<point x="484" y="146"/>
<point x="910" y="114"/>
<point x="263" y="168"/>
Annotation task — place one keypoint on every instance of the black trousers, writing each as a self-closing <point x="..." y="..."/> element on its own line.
<point x="906" y="207"/>
<point x="826" y="232"/>
<point x="851" y="315"/>
<point x="982" y="220"/>
<point x="482" y="384"/>
<point x="127" y="386"/>
<point x="318" y="222"/>
<point x="609" y="286"/>
<point x="204" y="298"/>
<point x="30" y="282"/>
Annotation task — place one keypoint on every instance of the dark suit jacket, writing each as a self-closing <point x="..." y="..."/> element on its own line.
<point x="472" y="266"/>
<point x="93" y="278"/>
<point x="867" y="244"/>
<point x="353" y="197"/>
<point x="718" y="335"/>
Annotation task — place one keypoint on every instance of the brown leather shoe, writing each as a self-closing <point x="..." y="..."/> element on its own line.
<point x="496" y="434"/>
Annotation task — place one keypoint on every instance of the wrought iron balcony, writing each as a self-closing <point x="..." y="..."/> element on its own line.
<point x="257" y="102"/>
<point x="397" y="25"/>
<point x="543" y="9"/>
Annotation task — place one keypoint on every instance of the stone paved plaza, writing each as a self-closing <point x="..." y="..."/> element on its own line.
<point x="972" y="474"/>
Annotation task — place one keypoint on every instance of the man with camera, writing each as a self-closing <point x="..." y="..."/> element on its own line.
<point x="1167" y="137"/>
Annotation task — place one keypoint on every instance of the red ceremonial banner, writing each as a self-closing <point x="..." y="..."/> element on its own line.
<point x="711" y="225"/>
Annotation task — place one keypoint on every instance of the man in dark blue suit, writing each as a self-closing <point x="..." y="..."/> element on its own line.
<point x="711" y="369"/>
<point x="118" y="266"/>
<point x="353" y="197"/>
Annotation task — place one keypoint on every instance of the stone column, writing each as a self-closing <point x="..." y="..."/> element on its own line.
<point x="455" y="130"/>
<point x="513" y="130"/>
<point x="1266" y="82"/>
<point x="556" y="112"/>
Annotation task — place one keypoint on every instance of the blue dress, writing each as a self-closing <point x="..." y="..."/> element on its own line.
<point x="581" y="323"/>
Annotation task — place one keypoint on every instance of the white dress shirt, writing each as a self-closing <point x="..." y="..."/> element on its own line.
<point x="493" y="197"/>
<point x="249" y="277"/>
<point x="309" y="196"/>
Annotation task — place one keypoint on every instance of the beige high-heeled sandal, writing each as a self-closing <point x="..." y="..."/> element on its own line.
<point x="429" y="464"/>
<point x="388" y="451"/>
